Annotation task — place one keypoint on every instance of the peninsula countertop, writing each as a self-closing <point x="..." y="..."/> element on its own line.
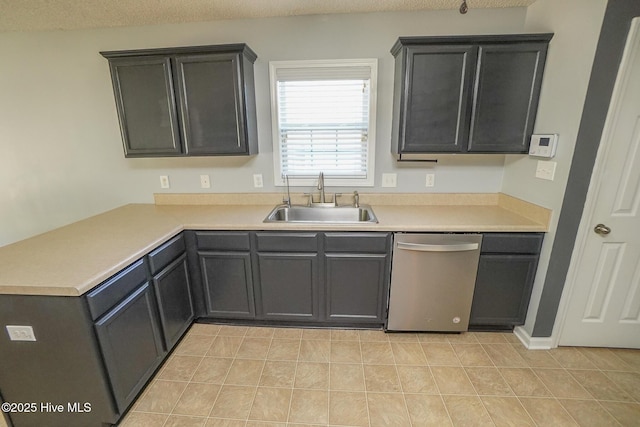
<point x="71" y="260"/>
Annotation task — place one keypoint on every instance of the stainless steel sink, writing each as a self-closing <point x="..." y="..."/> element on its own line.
<point x="316" y="214"/>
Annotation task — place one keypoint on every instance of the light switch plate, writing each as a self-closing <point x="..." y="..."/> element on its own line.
<point x="20" y="333"/>
<point x="389" y="180"/>
<point x="205" y="182"/>
<point x="546" y="170"/>
<point x="257" y="180"/>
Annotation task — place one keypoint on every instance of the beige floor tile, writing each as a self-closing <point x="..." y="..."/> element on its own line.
<point x="452" y="380"/>
<point x="287" y="333"/>
<point x="408" y="353"/>
<point x="471" y="355"/>
<point x="600" y="386"/>
<point x="309" y="406"/>
<point x="490" y="337"/>
<point x="315" y="351"/>
<point x="224" y="346"/>
<point x="377" y="353"/>
<point x="348" y="409"/>
<point x="382" y="378"/>
<point x="524" y="382"/>
<point x="403" y="337"/>
<point x="254" y="348"/>
<point x="345" y="335"/>
<point x="627" y="381"/>
<point x="224" y="422"/>
<point x="197" y="399"/>
<point x="506" y="411"/>
<point x="260" y="332"/>
<point x="547" y="412"/>
<point x="252" y="423"/>
<point x="185" y="421"/>
<point x="346" y="377"/>
<point x="245" y="372"/>
<point x="373" y="336"/>
<point x="417" y="379"/>
<point x="432" y="337"/>
<point x="212" y="370"/>
<point x="346" y="352"/>
<point x="312" y="375"/>
<point x="143" y="419"/>
<point x="283" y="349"/>
<point x="630" y="357"/>
<point x="467" y="411"/>
<point x="161" y="396"/>
<point x="440" y="354"/>
<point x="536" y="358"/>
<point x="387" y="409"/>
<point x="271" y="404"/>
<point x="627" y="414"/>
<point x="233" y="331"/>
<point x="512" y="338"/>
<point x="588" y="413"/>
<point x="179" y="368"/>
<point x="427" y="410"/>
<point x="571" y="358"/>
<point x="462" y="338"/>
<point x="488" y="381"/>
<point x="233" y="402"/>
<point x="503" y="355"/>
<point x="278" y="373"/>
<point x="316" y="334"/>
<point x="204" y="329"/>
<point x="605" y="359"/>
<point x="194" y="345"/>
<point x="561" y="384"/>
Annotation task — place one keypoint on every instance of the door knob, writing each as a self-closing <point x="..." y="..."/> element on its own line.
<point x="602" y="229"/>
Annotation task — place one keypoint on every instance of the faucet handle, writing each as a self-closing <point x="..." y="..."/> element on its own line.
<point x="335" y="198"/>
<point x="356" y="199"/>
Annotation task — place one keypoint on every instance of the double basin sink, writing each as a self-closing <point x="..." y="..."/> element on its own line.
<point x="322" y="214"/>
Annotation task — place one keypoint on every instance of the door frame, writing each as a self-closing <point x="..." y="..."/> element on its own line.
<point x="586" y="222"/>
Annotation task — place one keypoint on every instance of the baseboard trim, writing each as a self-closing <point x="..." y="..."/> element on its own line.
<point x="533" y="343"/>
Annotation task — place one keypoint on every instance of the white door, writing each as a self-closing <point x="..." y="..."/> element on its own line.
<point x="603" y="308"/>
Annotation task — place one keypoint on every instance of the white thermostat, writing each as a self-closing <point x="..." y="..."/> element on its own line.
<point x="543" y="145"/>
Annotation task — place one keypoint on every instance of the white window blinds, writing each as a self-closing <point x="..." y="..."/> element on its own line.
<point x="323" y="119"/>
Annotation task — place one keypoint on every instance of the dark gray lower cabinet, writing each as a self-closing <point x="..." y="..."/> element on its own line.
<point x="228" y="284"/>
<point x="131" y="344"/>
<point x="506" y="272"/>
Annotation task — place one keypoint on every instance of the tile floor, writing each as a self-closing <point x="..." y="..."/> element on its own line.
<point x="230" y="376"/>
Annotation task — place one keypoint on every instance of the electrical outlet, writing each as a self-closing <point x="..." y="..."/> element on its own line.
<point x="431" y="180"/>
<point x="204" y="181"/>
<point x="164" y="181"/>
<point x="20" y="333"/>
<point x="257" y="180"/>
<point x="546" y="170"/>
<point x="389" y="180"/>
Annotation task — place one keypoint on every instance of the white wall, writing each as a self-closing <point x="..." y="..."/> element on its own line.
<point x="62" y="158"/>
<point x="576" y="24"/>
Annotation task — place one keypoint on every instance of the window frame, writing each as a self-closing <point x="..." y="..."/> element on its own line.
<point x="372" y="64"/>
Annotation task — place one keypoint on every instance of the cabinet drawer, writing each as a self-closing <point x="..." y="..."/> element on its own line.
<point x="223" y="241"/>
<point x="116" y="288"/>
<point x="287" y="242"/>
<point x="513" y="243"/>
<point x="356" y="242"/>
<point x="166" y="253"/>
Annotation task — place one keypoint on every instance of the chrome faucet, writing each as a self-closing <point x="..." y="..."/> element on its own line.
<point x="321" y="187"/>
<point x="287" y="200"/>
<point x="356" y="199"/>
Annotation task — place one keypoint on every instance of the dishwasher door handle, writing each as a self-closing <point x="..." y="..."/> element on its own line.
<point x="457" y="247"/>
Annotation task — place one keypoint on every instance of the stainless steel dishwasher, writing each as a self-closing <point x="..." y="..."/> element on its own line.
<point x="432" y="281"/>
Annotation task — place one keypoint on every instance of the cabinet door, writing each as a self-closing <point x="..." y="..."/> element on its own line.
<point x="173" y="293"/>
<point x="129" y="337"/>
<point x="228" y="284"/>
<point x="146" y="106"/>
<point x="436" y="98"/>
<point x="211" y="103"/>
<point x="288" y="286"/>
<point x="503" y="289"/>
<point x="356" y="287"/>
<point x="507" y="88"/>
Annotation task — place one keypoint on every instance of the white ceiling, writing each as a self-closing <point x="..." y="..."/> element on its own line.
<point x="37" y="15"/>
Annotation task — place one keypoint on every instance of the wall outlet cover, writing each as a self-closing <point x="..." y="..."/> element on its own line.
<point x="205" y="182"/>
<point x="20" y="333"/>
<point x="257" y="180"/>
<point x="431" y="180"/>
<point x="164" y="181"/>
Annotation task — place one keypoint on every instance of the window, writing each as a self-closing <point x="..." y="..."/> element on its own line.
<point x="323" y="115"/>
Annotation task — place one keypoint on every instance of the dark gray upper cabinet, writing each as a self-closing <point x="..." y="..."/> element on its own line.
<point x="191" y="101"/>
<point x="466" y="94"/>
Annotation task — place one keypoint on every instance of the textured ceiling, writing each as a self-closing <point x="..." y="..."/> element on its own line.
<point x="36" y="15"/>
